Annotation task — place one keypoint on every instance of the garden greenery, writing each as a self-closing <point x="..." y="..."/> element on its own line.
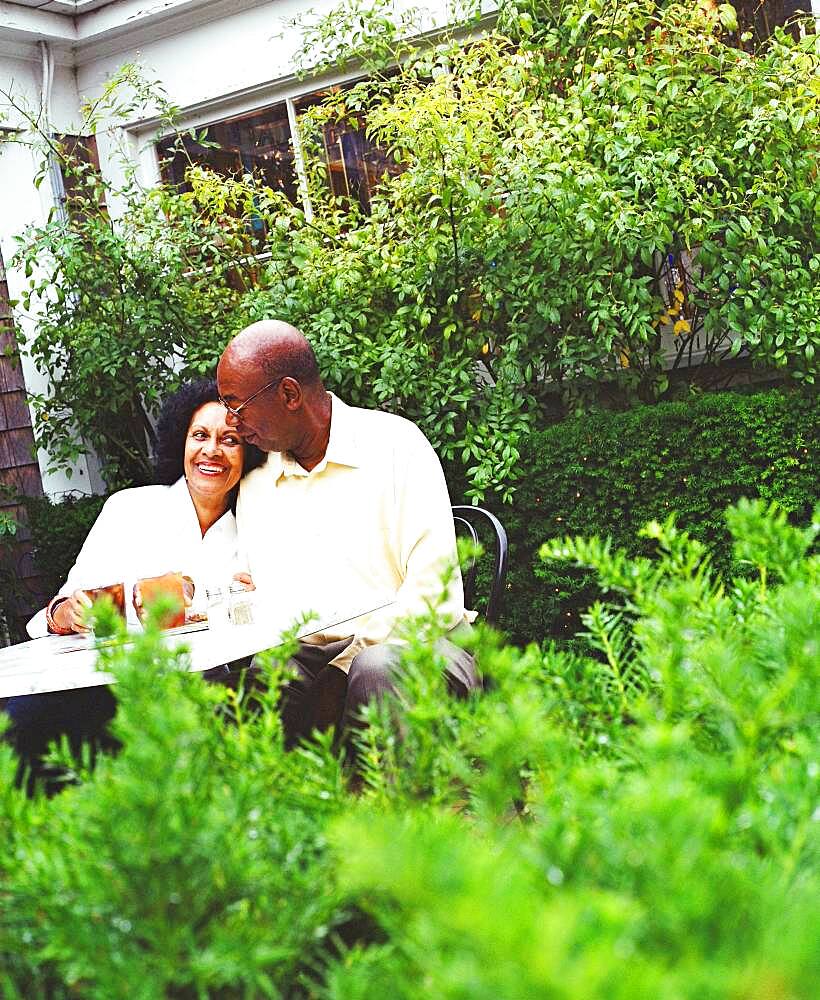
<point x="608" y="473"/>
<point x="123" y="305"/>
<point x="8" y="577"/>
<point x="587" y="197"/>
<point x="591" y="196"/>
<point x="58" y="530"/>
<point x="635" y="820"/>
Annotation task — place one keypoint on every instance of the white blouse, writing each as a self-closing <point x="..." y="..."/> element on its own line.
<point x="145" y="532"/>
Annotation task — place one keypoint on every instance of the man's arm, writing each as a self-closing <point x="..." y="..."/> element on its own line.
<point x="425" y="548"/>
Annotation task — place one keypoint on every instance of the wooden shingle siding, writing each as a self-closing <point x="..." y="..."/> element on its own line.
<point x="11" y="377"/>
<point x="16" y="409"/>
<point x="20" y="474"/>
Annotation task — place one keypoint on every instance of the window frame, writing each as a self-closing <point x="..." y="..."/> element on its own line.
<point x="146" y="135"/>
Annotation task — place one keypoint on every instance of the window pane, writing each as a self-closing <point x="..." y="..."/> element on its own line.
<point x="761" y="17"/>
<point x="355" y="164"/>
<point x="79" y="174"/>
<point x="257" y="144"/>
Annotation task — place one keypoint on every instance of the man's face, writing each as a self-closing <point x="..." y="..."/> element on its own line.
<point x="261" y="419"/>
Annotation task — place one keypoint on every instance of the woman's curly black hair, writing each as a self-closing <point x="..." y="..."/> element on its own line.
<point x="172" y="430"/>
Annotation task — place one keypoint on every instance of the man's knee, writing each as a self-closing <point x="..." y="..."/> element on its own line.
<point x="460" y="672"/>
<point x="371" y="672"/>
<point x="375" y="659"/>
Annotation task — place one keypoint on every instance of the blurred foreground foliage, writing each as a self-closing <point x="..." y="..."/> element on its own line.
<point x="635" y="821"/>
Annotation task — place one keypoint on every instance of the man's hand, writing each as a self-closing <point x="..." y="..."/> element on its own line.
<point x="71" y="613"/>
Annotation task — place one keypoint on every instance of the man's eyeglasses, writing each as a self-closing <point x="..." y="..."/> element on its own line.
<point x="236" y="410"/>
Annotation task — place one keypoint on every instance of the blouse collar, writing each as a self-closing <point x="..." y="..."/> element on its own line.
<point x="181" y="496"/>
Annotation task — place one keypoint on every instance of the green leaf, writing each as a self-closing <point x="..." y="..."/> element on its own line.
<point x="728" y="16"/>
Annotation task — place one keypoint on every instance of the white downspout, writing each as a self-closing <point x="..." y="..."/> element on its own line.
<point x="46" y="86"/>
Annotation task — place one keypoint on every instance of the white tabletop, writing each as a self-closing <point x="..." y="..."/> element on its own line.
<point x="63" y="663"/>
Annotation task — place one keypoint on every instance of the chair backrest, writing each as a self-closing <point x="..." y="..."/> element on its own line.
<point x="466" y="520"/>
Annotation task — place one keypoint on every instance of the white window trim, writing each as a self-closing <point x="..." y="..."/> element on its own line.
<point x="146" y="133"/>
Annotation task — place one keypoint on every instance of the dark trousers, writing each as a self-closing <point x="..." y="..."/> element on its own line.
<point x="319" y="697"/>
<point x="82" y="716"/>
<point x="323" y="695"/>
<point x="39" y="719"/>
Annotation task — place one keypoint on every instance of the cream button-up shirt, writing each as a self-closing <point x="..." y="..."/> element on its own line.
<point x="370" y="525"/>
<point x="148" y="531"/>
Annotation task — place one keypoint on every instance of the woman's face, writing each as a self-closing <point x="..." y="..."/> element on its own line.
<point x="213" y="453"/>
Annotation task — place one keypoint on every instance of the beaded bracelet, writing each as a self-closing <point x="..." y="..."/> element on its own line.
<point x="52" y="625"/>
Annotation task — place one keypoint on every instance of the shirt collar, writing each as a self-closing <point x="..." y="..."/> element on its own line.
<point x="342" y="446"/>
<point x="182" y="496"/>
<point x="180" y="492"/>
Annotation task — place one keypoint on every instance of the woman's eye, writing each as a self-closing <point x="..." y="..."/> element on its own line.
<point x="231" y="441"/>
<point x="199" y="435"/>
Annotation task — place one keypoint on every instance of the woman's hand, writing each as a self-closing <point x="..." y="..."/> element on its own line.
<point x="71" y="613"/>
<point x="246" y="580"/>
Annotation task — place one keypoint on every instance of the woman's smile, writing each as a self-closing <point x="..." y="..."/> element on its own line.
<point x="211" y="469"/>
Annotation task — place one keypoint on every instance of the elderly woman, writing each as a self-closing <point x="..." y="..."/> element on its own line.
<point x="184" y="524"/>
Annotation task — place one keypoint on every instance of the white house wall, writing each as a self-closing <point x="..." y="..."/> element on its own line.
<point x="240" y="50"/>
<point x="21" y="205"/>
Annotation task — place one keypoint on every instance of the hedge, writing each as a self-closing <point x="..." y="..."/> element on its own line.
<point x="609" y="473"/>
<point x="602" y="474"/>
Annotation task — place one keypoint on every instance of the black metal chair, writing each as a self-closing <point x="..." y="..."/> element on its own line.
<point x="467" y="520"/>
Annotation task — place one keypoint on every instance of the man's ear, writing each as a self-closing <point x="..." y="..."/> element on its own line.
<point x="291" y="392"/>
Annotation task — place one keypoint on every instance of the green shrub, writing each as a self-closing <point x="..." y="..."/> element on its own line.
<point x="584" y="194"/>
<point x="122" y="313"/>
<point x="58" y="531"/>
<point x="555" y="233"/>
<point x="630" y="825"/>
<point x="608" y="473"/>
<point x="8" y="576"/>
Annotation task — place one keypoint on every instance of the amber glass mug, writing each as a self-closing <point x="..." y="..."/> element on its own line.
<point x="114" y="594"/>
<point x="176" y="588"/>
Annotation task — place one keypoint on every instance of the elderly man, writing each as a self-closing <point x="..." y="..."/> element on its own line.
<point x="350" y="509"/>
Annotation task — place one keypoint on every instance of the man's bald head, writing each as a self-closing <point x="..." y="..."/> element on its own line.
<point x="276" y="348"/>
<point x="270" y="383"/>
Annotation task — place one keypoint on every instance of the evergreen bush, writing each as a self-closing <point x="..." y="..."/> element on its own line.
<point x="58" y="530"/>
<point x="626" y="824"/>
<point x="607" y="473"/>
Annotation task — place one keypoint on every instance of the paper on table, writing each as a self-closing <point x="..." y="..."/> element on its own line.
<point x="339" y="618"/>
<point x="77" y="643"/>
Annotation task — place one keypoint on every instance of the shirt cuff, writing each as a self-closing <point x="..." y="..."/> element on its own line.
<point x="349" y="654"/>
